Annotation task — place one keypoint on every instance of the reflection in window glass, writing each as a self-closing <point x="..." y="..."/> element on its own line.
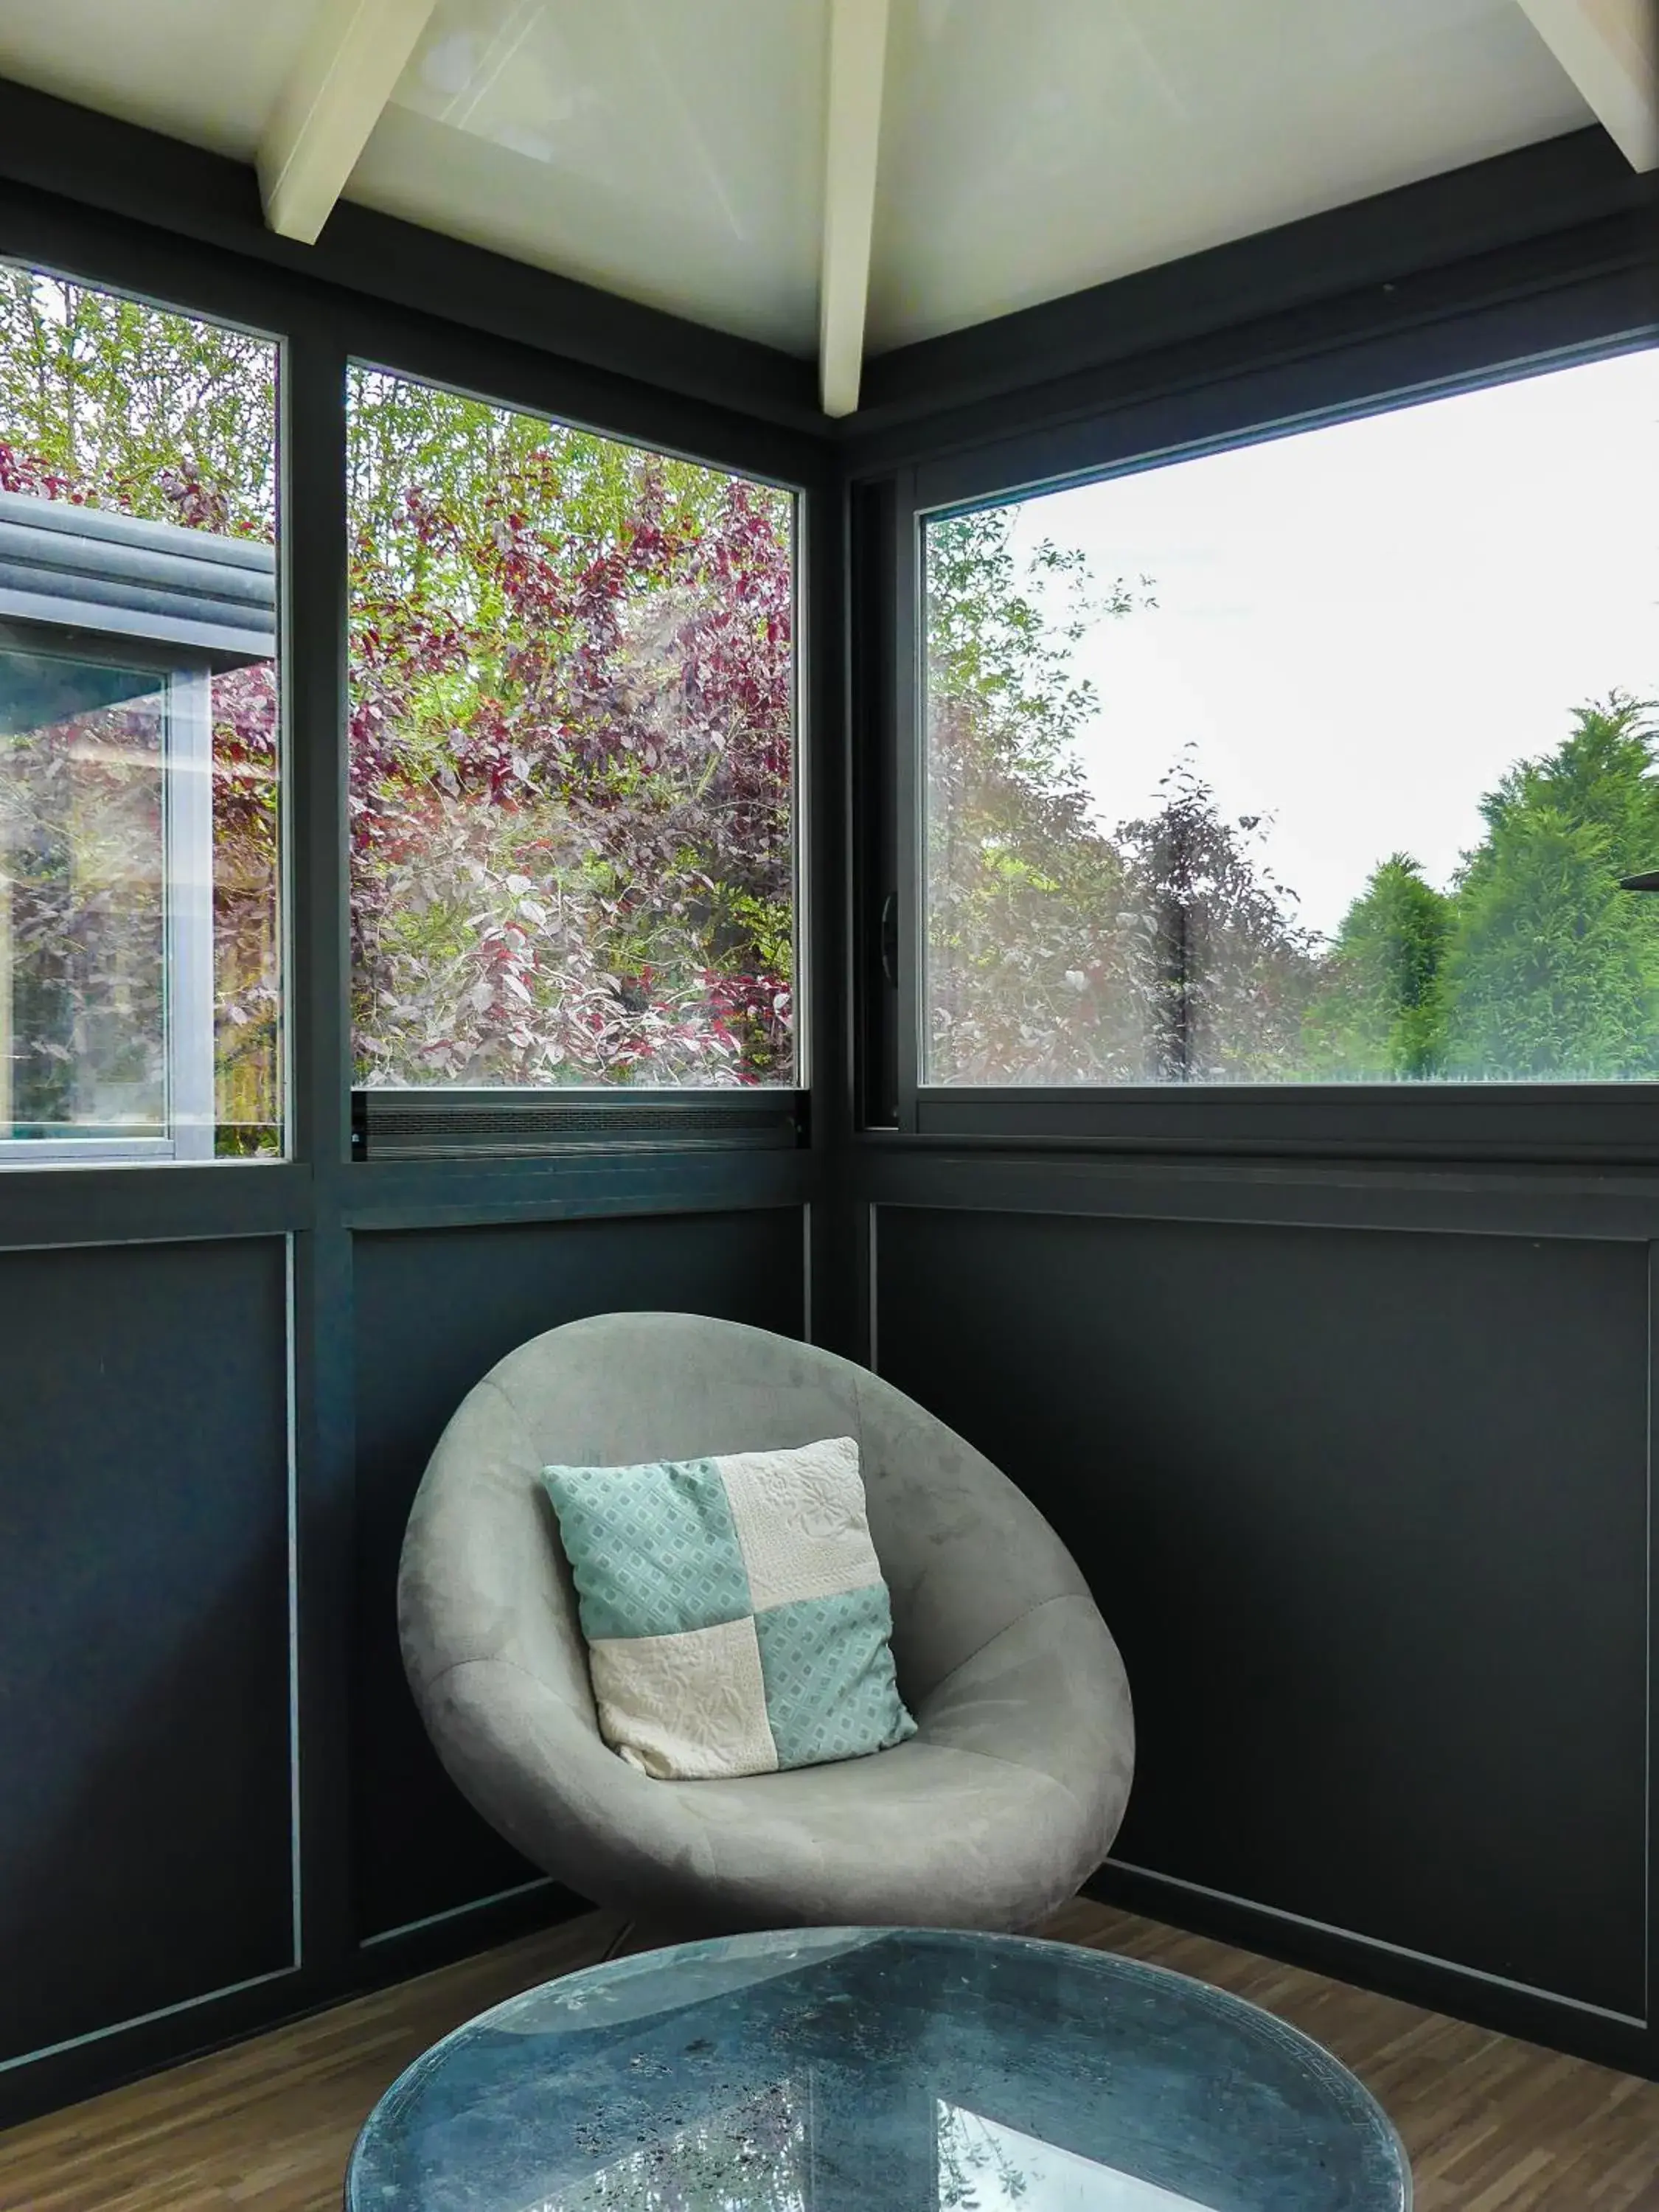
<point x="572" y="744"/>
<point x="84" y="943"/>
<point x="1316" y="761"/>
<point x="751" y="2158"/>
<point x="984" y="2167"/>
<point x="140" y="946"/>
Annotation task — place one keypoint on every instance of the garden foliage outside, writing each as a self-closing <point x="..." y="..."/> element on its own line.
<point x="1165" y="949"/>
<point x="572" y="737"/>
<point x="570" y="790"/>
<point x="571" y="714"/>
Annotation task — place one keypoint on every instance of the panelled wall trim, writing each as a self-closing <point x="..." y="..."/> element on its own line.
<point x="464" y="1284"/>
<point x="600" y="1186"/>
<point x="296" y="1285"/>
<point x="452" y="1912"/>
<point x="1610" y="2039"/>
<point x="870" y="1216"/>
<point x="1364" y="1486"/>
<point x="205" y="1998"/>
<point x="67" y="1205"/>
<point x="1542" y="1202"/>
<point x="1524" y="1990"/>
<point x="129" y="2051"/>
<point x="151" y="1652"/>
<point x="217" y="1997"/>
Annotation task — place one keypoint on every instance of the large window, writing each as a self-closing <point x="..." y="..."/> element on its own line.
<point x="1319" y="760"/>
<point x="572" y="755"/>
<point x="140" y="945"/>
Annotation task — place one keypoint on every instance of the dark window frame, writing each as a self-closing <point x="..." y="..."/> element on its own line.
<point x="319" y="328"/>
<point x="1569" y="306"/>
<point x="580" y="1115"/>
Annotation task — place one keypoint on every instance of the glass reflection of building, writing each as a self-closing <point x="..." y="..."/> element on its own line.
<point x="111" y="631"/>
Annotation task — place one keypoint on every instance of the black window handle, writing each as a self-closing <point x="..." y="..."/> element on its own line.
<point x="889" y="938"/>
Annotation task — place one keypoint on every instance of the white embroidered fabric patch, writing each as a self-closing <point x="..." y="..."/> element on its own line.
<point x="691" y="1706"/>
<point x="800" y="1519"/>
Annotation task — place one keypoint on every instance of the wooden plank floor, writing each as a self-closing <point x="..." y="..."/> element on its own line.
<point x="1492" y="2125"/>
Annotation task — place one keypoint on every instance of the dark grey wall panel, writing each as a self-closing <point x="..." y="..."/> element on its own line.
<point x="145" y="1837"/>
<point x="435" y="1310"/>
<point x="1367" y="1511"/>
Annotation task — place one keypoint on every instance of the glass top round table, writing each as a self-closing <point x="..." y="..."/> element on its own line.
<point x="877" y="2071"/>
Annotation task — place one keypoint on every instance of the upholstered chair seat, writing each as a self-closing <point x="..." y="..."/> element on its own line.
<point x="1006" y="1799"/>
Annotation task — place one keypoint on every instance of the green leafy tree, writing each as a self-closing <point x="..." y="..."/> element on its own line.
<point x="1551" y="971"/>
<point x="1379" y="1012"/>
<point x="1217" y="969"/>
<point x="571" y="761"/>
<point x="572" y="711"/>
<point x="1026" y="892"/>
<point x="571" y="742"/>
<point x="1059" y="951"/>
<point x="121" y="405"/>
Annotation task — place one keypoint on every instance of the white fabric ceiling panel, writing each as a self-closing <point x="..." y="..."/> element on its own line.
<point x="669" y="151"/>
<point x="1030" y="150"/>
<point x="208" y="71"/>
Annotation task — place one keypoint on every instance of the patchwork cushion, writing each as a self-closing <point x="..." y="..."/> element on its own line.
<point x="736" y="1617"/>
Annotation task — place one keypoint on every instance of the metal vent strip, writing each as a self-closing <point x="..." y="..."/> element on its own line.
<point x="416" y="1125"/>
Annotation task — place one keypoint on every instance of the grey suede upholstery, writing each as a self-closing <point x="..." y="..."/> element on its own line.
<point x="1006" y="1798"/>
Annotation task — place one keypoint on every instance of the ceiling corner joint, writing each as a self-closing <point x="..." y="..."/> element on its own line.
<point x="852" y="139"/>
<point x="1610" y="50"/>
<point x="354" y="55"/>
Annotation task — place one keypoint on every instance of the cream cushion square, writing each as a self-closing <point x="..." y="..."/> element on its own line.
<point x="692" y="1706"/>
<point x="801" y="1522"/>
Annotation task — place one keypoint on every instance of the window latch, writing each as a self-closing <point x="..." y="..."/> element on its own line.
<point x="889" y="938"/>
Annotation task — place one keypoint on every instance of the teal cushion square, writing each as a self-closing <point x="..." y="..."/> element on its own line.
<point x="828" y="1668"/>
<point x="653" y="1549"/>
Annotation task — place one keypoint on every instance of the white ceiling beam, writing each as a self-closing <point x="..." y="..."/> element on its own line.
<point x="322" y="116"/>
<point x="1610" y="49"/>
<point x="852" y="139"/>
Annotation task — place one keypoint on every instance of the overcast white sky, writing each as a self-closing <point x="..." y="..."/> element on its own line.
<point x="1360" y="628"/>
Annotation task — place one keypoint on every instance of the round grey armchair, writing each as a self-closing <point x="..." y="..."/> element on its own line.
<point x="1006" y="1799"/>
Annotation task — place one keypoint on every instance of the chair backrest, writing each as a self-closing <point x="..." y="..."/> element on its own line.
<point x="964" y="1552"/>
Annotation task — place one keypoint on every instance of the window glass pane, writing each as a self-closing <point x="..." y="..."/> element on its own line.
<point x="1316" y="761"/>
<point x="140" y="938"/>
<point x="572" y="755"/>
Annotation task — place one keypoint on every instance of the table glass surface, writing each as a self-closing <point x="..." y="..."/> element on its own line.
<point x="877" y="2071"/>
